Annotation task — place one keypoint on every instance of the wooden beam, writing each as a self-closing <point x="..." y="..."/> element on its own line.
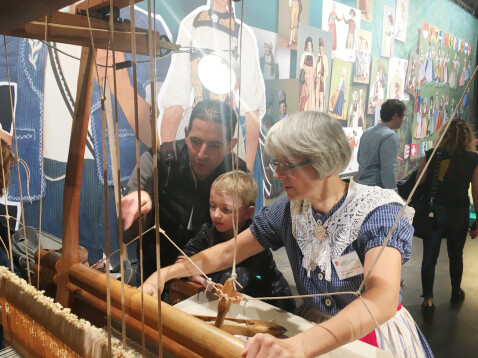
<point x="74" y="30"/>
<point x="74" y="171"/>
<point x="100" y="4"/>
<point x="16" y="13"/>
<point x="184" y="329"/>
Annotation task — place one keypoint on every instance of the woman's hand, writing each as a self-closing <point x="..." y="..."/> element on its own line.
<point x="265" y="345"/>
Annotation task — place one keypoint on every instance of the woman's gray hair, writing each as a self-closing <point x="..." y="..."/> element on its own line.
<point x="313" y="136"/>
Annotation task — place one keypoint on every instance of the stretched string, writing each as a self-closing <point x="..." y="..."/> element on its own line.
<point x="41" y="161"/>
<point x="234" y="163"/>
<point x="154" y="138"/>
<point x="101" y="88"/>
<point x="138" y="170"/>
<point x="18" y="173"/>
<point x="118" y="178"/>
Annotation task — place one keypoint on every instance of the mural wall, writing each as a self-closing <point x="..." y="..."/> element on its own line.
<point x="340" y="57"/>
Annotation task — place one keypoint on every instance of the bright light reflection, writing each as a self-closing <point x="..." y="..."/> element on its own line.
<point x="215" y="74"/>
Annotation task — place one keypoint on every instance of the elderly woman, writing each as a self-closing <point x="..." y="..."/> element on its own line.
<point x="332" y="231"/>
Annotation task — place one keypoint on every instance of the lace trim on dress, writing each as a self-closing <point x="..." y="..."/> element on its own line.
<point x="319" y="242"/>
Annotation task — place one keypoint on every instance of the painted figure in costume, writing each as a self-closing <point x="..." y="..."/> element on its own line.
<point x="424" y="120"/>
<point x="411" y="78"/>
<point x="396" y="93"/>
<point x="377" y="92"/>
<point x="338" y="99"/>
<point x="442" y="67"/>
<point x="401" y="21"/>
<point x="387" y="43"/>
<point x="418" y="111"/>
<point x="354" y="111"/>
<point x="303" y="90"/>
<point x="349" y="43"/>
<point x="269" y="65"/>
<point x="210" y="27"/>
<point x="431" y="115"/>
<point x="421" y="67"/>
<point x="445" y="111"/>
<point x="438" y="64"/>
<point x="362" y="59"/>
<point x="294" y="9"/>
<point x="332" y="26"/>
<point x="365" y="62"/>
<point x="435" y="113"/>
<point x="453" y="72"/>
<point x="322" y="71"/>
<point x="307" y="63"/>
<point x="445" y="68"/>
<point x="462" y="76"/>
<point x="439" y="118"/>
<point x="363" y="8"/>
<point x="282" y="104"/>
<point x="362" y="122"/>
<point x="429" y="65"/>
<point x="467" y="70"/>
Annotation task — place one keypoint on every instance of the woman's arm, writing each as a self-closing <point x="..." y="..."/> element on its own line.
<point x="352" y="323"/>
<point x="216" y="258"/>
<point x="420" y="170"/>
<point x="474" y="194"/>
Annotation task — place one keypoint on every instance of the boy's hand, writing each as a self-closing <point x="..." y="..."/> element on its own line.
<point x="199" y="279"/>
<point x="149" y="286"/>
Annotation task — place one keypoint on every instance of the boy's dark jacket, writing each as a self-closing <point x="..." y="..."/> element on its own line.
<point x="258" y="275"/>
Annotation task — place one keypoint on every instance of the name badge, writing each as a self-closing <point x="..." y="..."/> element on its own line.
<point x="348" y="265"/>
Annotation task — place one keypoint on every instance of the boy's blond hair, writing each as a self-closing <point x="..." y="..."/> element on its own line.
<point x="240" y="181"/>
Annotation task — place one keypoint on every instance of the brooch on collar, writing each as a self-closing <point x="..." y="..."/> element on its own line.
<point x="320" y="231"/>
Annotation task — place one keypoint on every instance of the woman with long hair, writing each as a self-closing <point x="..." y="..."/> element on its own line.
<point x="457" y="167"/>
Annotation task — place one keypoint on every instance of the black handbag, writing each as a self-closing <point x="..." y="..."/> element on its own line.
<point x="423" y="201"/>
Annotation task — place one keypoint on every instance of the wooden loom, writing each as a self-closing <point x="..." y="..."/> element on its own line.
<point x="80" y="287"/>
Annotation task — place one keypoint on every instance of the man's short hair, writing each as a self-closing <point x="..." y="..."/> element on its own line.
<point x="238" y="181"/>
<point x="390" y="108"/>
<point x="216" y="112"/>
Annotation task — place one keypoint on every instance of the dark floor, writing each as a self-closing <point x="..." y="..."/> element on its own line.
<point x="453" y="331"/>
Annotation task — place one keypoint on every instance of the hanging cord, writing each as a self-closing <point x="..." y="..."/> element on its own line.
<point x="101" y="89"/>
<point x="138" y="170"/>
<point x="18" y="173"/>
<point x="154" y="137"/>
<point x="42" y="150"/>
<point x="118" y="178"/>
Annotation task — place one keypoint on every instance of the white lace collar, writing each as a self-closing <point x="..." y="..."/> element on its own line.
<point x="319" y="246"/>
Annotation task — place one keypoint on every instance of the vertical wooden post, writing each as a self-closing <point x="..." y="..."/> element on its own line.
<point x="74" y="171"/>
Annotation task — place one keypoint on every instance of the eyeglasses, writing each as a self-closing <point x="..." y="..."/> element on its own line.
<point x="286" y="167"/>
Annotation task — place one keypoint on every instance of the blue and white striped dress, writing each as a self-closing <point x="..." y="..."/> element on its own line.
<point x="272" y="227"/>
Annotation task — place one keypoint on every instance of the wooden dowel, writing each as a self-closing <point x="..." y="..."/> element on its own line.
<point x="150" y="333"/>
<point x="181" y="327"/>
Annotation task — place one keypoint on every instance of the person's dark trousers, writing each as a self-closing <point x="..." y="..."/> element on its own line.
<point x="451" y="224"/>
